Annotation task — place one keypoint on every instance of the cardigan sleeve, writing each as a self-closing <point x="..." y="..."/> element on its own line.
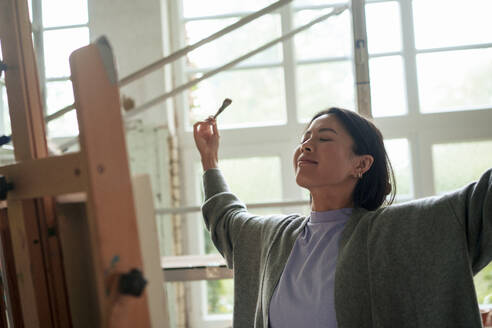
<point x="472" y="205"/>
<point x="225" y="215"/>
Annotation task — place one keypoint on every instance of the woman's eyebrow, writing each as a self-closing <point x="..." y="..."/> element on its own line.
<point x="327" y="129"/>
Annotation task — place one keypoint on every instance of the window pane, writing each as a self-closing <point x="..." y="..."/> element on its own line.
<point x="257" y="95"/>
<point x="455" y="80"/>
<point x="29" y="7"/>
<point x="220" y="296"/>
<point x="197" y="8"/>
<point x="330" y="38"/>
<point x="321" y="86"/>
<point x="58" y="96"/>
<point x="4" y="106"/>
<point x="457" y="164"/>
<point x="442" y="23"/>
<point x="234" y="44"/>
<point x="255" y="171"/>
<point x="64" y="12"/>
<point x="387" y="86"/>
<point x="383" y="27"/>
<point x="399" y="155"/>
<point x="58" y="45"/>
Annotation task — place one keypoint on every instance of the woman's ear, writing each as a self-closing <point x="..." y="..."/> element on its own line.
<point x="364" y="163"/>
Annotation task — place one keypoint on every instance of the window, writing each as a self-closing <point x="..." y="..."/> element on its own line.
<point x="430" y="88"/>
<point x="4" y="107"/>
<point x="455" y="165"/>
<point x="453" y="60"/>
<point x="56" y="37"/>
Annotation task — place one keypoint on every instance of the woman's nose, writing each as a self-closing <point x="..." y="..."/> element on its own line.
<point x="306" y="147"/>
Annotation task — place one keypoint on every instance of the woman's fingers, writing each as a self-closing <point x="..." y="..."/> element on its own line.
<point x="215" y="129"/>
<point x="207" y="127"/>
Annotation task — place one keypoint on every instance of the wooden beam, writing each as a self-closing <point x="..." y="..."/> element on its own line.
<point x="36" y="251"/>
<point x="361" y="58"/>
<point x="195" y="267"/>
<point x="110" y="208"/>
<point x="45" y="177"/>
<point x="10" y="289"/>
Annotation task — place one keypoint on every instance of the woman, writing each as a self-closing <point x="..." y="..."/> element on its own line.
<point x="352" y="263"/>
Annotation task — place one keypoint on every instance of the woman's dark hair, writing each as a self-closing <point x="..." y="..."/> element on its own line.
<point x="379" y="181"/>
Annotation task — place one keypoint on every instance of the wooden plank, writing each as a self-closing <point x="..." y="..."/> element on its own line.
<point x="10" y="289"/>
<point x="48" y="227"/>
<point x="149" y="241"/>
<point x="46" y="176"/>
<point x="195" y="267"/>
<point x="22" y="83"/>
<point x="30" y="220"/>
<point x="110" y="207"/>
<point x="192" y="261"/>
<point x="79" y="197"/>
<point x="79" y="272"/>
<point x="27" y="254"/>
<point x="190" y="274"/>
<point x="361" y="58"/>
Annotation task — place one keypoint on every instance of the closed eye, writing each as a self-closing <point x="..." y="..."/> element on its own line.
<point x="323" y="139"/>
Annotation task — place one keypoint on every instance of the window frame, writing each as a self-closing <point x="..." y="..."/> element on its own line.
<point x="422" y="130"/>
<point x="38" y="30"/>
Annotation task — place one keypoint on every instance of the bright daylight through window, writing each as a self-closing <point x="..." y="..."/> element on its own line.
<point x="431" y="96"/>
<point x="413" y="69"/>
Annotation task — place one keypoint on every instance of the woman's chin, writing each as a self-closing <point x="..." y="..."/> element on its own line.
<point x="302" y="182"/>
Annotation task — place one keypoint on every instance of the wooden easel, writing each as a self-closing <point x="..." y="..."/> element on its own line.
<point x="40" y="288"/>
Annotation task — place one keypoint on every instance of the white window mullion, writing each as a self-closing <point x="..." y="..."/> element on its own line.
<point x="420" y="150"/>
<point x="2" y="109"/>
<point x="176" y="41"/>
<point x="425" y="177"/>
<point x="409" y="58"/>
<point x="289" y="62"/>
<point x="418" y="184"/>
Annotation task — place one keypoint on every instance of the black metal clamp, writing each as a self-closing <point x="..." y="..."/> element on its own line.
<point x="4" y="187"/>
<point x="132" y="283"/>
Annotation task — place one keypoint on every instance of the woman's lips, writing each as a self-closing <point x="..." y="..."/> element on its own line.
<point x="306" y="162"/>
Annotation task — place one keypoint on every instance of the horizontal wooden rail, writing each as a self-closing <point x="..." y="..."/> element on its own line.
<point x="195" y="267"/>
<point x="48" y="176"/>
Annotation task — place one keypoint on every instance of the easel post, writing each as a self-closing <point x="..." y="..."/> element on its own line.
<point x="110" y="208"/>
<point x="31" y="222"/>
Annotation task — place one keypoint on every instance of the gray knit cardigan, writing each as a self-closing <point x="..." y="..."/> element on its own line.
<point x="402" y="266"/>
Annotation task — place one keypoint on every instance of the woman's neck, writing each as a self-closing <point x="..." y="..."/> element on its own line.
<point x="327" y="200"/>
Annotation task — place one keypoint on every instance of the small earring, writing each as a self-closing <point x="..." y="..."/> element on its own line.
<point x="360" y="175"/>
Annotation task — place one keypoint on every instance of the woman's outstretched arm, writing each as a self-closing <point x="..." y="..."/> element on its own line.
<point x="472" y="206"/>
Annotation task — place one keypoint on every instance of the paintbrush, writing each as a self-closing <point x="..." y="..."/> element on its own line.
<point x="225" y="103"/>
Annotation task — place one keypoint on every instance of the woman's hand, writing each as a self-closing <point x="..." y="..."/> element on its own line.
<point x="206" y="137"/>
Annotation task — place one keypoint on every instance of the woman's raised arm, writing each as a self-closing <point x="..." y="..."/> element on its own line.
<point x="207" y="137"/>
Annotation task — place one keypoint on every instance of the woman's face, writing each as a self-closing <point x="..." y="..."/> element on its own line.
<point x="324" y="157"/>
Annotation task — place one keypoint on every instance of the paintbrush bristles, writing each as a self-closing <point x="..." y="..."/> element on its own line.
<point x="225" y="103"/>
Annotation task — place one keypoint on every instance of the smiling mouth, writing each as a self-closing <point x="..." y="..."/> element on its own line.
<point x="306" y="161"/>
